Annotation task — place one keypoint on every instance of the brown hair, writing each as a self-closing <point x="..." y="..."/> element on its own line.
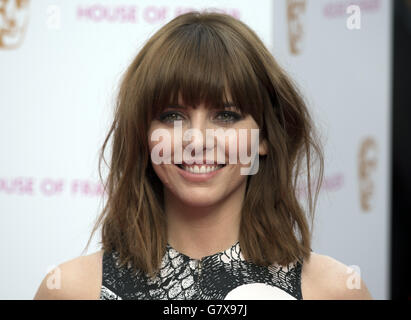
<point x="200" y="54"/>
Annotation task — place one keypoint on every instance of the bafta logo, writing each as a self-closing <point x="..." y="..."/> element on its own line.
<point x="13" y="22"/>
<point x="367" y="164"/>
<point x="295" y="17"/>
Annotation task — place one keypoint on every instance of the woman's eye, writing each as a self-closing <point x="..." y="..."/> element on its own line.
<point x="228" y="116"/>
<point x="223" y="116"/>
<point x="169" y="116"/>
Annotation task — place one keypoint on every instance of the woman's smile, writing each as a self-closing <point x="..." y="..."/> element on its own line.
<point x="199" y="172"/>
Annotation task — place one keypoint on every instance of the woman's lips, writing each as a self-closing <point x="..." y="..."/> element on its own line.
<point x="197" y="177"/>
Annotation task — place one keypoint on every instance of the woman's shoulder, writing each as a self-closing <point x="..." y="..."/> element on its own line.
<point x="326" y="278"/>
<point x="77" y="279"/>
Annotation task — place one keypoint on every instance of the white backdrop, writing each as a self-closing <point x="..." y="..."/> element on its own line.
<point x="59" y="72"/>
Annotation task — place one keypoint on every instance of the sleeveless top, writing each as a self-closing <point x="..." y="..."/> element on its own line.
<point x="225" y="275"/>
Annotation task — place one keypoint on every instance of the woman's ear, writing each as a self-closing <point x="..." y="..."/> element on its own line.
<point x="262" y="148"/>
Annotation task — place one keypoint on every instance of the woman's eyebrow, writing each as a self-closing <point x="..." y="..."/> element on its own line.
<point x="226" y="105"/>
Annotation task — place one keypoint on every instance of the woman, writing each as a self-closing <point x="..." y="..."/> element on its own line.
<point x="174" y="231"/>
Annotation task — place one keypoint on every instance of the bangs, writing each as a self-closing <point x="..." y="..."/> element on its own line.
<point x="201" y="63"/>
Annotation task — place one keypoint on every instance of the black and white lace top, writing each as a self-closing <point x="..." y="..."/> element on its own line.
<point x="224" y="275"/>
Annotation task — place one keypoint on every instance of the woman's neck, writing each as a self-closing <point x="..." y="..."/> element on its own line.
<point x="201" y="231"/>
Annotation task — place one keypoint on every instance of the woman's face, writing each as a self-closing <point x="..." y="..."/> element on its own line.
<point x="192" y="186"/>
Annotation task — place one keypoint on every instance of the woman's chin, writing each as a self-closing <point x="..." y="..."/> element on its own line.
<point x="200" y="199"/>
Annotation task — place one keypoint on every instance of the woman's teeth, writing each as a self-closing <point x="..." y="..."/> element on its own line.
<point x="200" y="169"/>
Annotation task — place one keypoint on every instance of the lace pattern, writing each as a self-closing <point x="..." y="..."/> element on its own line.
<point x="224" y="275"/>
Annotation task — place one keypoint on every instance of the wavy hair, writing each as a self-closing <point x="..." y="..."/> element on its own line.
<point x="200" y="54"/>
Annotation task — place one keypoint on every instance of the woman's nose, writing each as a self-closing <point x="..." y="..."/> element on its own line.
<point x="196" y="129"/>
<point x="198" y="132"/>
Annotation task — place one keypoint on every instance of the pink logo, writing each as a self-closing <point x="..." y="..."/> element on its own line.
<point x="330" y="183"/>
<point x="337" y="9"/>
<point x="98" y="12"/>
<point x="50" y="187"/>
<point x="133" y="14"/>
